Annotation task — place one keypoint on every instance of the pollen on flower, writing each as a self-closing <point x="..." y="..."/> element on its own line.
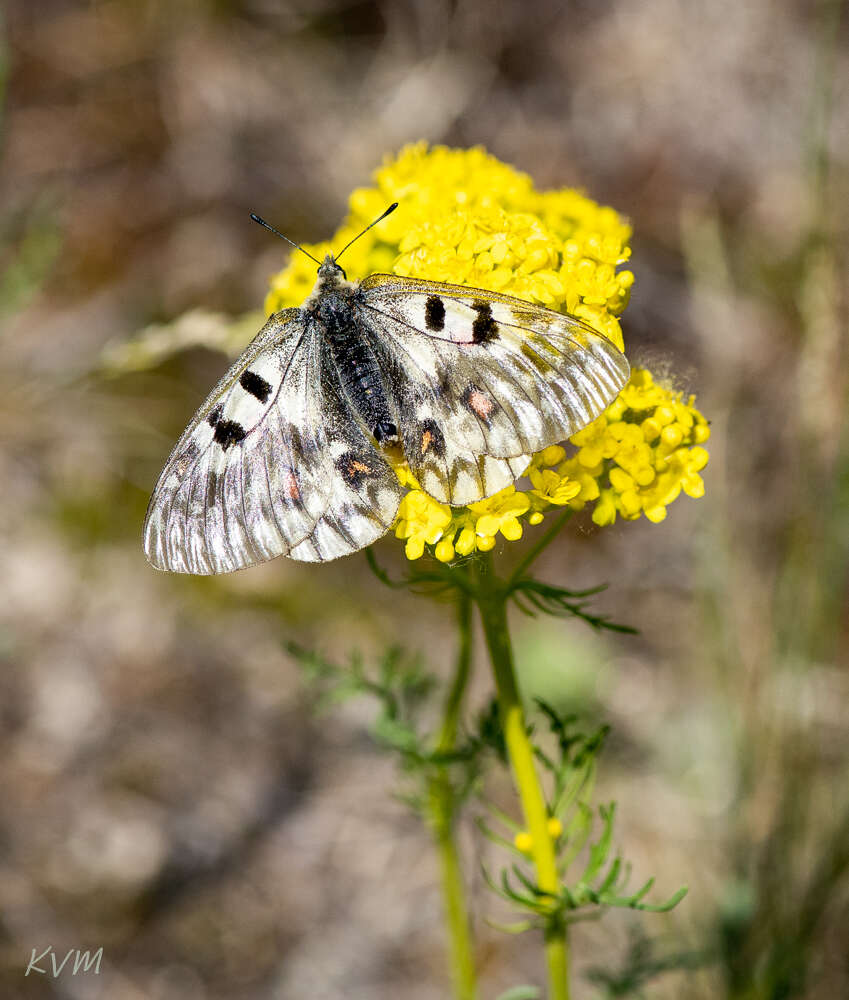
<point x="467" y="218"/>
<point x="552" y="488"/>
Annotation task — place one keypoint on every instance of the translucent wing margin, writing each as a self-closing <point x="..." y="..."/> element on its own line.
<point x="483" y="379"/>
<point x="265" y="458"/>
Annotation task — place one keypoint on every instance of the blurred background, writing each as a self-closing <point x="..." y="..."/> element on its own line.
<point x="168" y="792"/>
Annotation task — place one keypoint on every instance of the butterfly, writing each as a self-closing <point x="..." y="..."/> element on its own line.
<point x="292" y="452"/>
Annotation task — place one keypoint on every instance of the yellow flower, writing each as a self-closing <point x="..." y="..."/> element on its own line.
<point x="523" y="842"/>
<point x="421" y="520"/>
<point x="500" y="512"/>
<point x="467" y="218"/>
<point x="552" y="488"/>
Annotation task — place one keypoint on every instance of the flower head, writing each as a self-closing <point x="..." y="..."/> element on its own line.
<point x="469" y="219"/>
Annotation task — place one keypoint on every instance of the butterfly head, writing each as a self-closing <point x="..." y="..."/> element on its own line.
<point x="330" y="271"/>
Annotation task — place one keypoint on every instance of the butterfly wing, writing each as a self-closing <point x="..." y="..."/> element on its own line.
<point x="364" y="492"/>
<point x="484" y="380"/>
<point x="270" y="465"/>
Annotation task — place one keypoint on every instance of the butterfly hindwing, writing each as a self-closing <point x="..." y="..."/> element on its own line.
<point x="364" y="492"/>
<point x="444" y="441"/>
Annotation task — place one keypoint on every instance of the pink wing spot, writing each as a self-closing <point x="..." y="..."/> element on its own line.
<point x="290" y="486"/>
<point x="480" y="404"/>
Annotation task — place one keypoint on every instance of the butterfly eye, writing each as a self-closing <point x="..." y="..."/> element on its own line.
<point x="385" y="431"/>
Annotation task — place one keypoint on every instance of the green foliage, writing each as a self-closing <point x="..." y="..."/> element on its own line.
<point x="489" y="732"/>
<point x="573" y="769"/>
<point x="446" y="768"/>
<point x="603" y="881"/>
<point x="404" y="692"/>
<point x="432" y="578"/>
<point x="520" y="993"/>
<point x="643" y="962"/>
<point x="533" y="596"/>
<point x="29" y="247"/>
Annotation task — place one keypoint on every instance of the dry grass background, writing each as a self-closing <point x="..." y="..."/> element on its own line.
<point x="166" y="792"/>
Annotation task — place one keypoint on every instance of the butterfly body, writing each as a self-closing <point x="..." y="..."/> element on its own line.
<point x="334" y="306"/>
<point x="291" y="453"/>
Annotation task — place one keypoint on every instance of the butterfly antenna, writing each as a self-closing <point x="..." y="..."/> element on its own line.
<point x="388" y="211"/>
<point x="277" y="232"/>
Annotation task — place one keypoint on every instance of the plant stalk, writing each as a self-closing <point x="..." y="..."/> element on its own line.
<point x="491" y="597"/>
<point x="442" y="805"/>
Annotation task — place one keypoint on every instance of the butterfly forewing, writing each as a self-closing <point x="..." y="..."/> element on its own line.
<point x="272" y="464"/>
<point x="205" y="514"/>
<point x="492" y="379"/>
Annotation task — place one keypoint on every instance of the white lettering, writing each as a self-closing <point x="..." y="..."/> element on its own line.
<point x="32" y="967"/>
<point x="88" y="961"/>
<point x="62" y="966"/>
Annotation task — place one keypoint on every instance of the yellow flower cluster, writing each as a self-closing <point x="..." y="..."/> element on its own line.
<point x="635" y="459"/>
<point x="457" y="531"/>
<point x="469" y="219"/>
<point x="639" y="455"/>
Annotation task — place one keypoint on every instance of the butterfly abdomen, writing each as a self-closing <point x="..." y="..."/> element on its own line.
<point x="359" y="371"/>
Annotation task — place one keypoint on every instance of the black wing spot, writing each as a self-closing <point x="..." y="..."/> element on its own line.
<point x="484" y="328"/>
<point x="431" y="439"/>
<point x="255" y="385"/>
<point x="355" y="470"/>
<point x="229" y="432"/>
<point x="435" y="313"/>
<point x="215" y="415"/>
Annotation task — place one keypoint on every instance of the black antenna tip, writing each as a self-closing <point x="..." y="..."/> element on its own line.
<point x="392" y="207"/>
<point x="277" y="232"/>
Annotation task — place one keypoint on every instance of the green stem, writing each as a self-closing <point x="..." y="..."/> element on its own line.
<point x="454" y="700"/>
<point x="442" y="806"/>
<point x="491" y="598"/>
